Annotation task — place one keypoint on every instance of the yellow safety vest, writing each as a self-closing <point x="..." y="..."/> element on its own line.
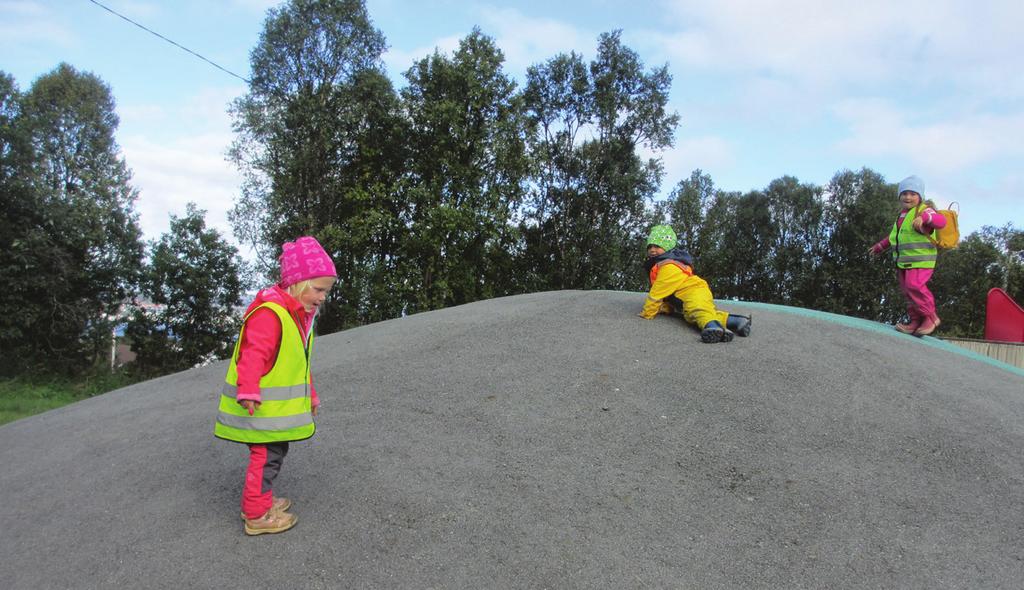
<point x="285" y="412"/>
<point x="909" y="248"/>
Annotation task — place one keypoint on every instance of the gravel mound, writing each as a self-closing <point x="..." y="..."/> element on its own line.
<point x="551" y="440"/>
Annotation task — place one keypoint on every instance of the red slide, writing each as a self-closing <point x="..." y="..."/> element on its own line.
<point x="1004" y="318"/>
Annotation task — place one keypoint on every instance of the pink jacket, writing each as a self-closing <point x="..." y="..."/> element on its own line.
<point x="261" y="340"/>
<point x="933" y="220"/>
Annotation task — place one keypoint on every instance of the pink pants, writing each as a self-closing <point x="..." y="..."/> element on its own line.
<point x="914" y="284"/>
<point x="264" y="465"/>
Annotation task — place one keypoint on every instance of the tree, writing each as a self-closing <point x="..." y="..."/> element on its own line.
<point x="963" y="277"/>
<point x="722" y="261"/>
<point x="984" y="260"/>
<point x="688" y="206"/>
<point x="19" y="213"/>
<point x="467" y="167"/>
<point x="860" y="208"/>
<point x="1015" y="263"/>
<point x="193" y="280"/>
<point x="74" y="244"/>
<point x="13" y="148"/>
<point x="587" y="211"/>
<point x="1009" y="242"/>
<point x="794" y="239"/>
<point x="315" y="141"/>
<point x="16" y="203"/>
<point x="740" y="266"/>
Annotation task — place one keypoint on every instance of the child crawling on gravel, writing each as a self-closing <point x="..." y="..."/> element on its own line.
<point x="268" y="398"/>
<point x="675" y="288"/>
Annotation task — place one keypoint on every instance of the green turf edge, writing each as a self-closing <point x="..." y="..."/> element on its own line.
<point x="871" y="326"/>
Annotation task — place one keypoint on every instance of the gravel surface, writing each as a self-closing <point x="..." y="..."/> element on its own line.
<point x="553" y="440"/>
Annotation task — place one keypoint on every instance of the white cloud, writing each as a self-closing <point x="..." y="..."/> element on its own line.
<point x="209" y="106"/>
<point x="949" y="145"/>
<point x="709" y="153"/>
<point x="398" y="61"/>
<point x="23" y="8"/>
<point x="204" y="111"/>
<point x="31" y="22"/>
<point x="962" y="158"/>
<point x="52" y="32"/>
<point x="134" y="114"/>
<point x="817" y="40"/>
<point x="169" y="175"/>
<point x="929" y="87"/>
<point x="526" y="40"/>
<point x="842" y="43"/>
<point x="177" y="155"/>
<point x="757" y="100"/>
<point x="523" y="40"/>
<point x="994" y="203"/>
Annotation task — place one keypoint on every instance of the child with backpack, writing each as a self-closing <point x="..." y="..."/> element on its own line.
<point x="912" y="239"/>
<point x="675" y="287"/>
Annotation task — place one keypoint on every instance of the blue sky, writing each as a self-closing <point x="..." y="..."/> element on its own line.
<point x="764" y="88"/>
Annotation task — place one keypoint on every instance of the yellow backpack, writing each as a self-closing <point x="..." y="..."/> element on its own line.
<point x="948" y="237"/>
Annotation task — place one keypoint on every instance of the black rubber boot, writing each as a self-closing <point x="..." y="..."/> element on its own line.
<point x="739" y="324"/>
<point x="714" y="332"/>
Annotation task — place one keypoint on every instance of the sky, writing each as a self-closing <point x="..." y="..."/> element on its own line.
<point x="763" y="88"/>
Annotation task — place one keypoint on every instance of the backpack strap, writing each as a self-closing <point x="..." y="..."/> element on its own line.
<point x="948" y="209"/>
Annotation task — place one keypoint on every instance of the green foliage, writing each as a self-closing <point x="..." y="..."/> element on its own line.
<point x="722" y="261"/>
<point x="587" y="209"/>
<point x="797" y="244"/>
<point x="463" y="187"/>
<point x="1014" y="283"/>
<point x="794" y="213"/>
<point x="194" y="278"/>
<point x="738" y="264"/>
<point x="316" y="137"/>
<point x="24" y="396"/>
<point x="761" y="245"/>
<point x="688" y="207"/>
<point x="467" y="168"/>
<point x="860" y="208"/>
<point x="963" y="277"/>
<point x="1009" y="242"/>
<point x="71" y="243"/>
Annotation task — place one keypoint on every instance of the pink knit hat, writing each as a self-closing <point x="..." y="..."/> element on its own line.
<point x="304" y="259"/>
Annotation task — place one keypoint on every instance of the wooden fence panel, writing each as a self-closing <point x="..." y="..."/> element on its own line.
<point x="1011" y="353"/>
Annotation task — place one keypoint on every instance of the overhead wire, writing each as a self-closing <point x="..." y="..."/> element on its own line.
<point x="179" y="46"/>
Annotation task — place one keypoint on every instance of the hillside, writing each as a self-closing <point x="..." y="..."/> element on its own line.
<point x="552" y="440"/>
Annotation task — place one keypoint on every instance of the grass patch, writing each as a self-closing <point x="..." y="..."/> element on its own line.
<point x="24" y="396"/>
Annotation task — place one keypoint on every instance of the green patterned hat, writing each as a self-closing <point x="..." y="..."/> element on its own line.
<point x="663" y="236"/>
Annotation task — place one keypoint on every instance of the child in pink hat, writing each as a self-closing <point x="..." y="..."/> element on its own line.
<point x="268" y="399"/>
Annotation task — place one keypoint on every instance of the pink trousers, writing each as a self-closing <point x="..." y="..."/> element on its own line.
<point x="914" y="284"/>
<point x="264" y="465"/>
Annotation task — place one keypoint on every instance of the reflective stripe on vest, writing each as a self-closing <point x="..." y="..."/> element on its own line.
<point x="657" y="267"/>
<point x="910" y="248"/>
<point x="285" y="412"/>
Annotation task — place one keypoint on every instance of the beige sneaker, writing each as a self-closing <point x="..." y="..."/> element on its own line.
<point x="908" y="328"/>
<point x="927" y="326"/>
<point x="278" y="505"/>
<point x="269" y="523"/>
